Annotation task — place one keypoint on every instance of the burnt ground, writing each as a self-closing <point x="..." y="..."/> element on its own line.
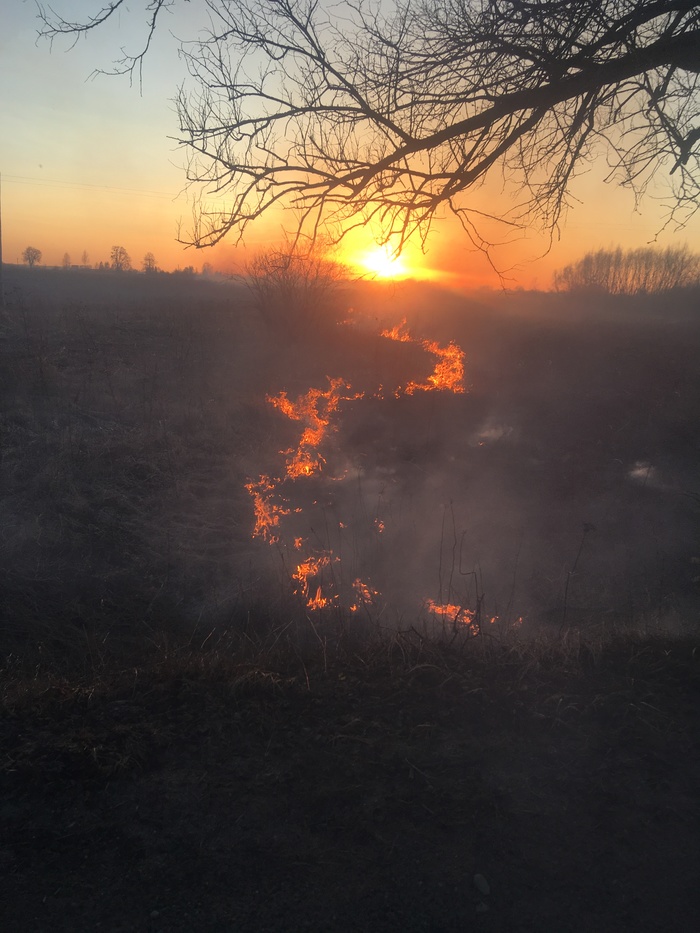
<point x="201" y="796"/>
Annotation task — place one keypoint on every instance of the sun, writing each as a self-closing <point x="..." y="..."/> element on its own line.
<point x="383" y="263"/>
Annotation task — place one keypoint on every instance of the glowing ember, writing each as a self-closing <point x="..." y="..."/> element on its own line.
<point x="448" y="375"/>
<point x="267" y="513"/>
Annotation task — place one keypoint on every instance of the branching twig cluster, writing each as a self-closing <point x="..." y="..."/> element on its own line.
<point x="397" y="113"/>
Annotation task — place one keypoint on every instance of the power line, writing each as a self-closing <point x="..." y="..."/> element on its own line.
<point x="73" y="185"/>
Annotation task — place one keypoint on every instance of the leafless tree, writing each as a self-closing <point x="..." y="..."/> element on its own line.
<point x="149" y="263"/>
<point x="65" y="262"/>
<point x="397" y="110"/>
<point x="31" y="256"/>
<point x="85" y="258"/>
<point x="121" y="260"/>
<point x="632" y="272"/>
<point x="294" y="291"/>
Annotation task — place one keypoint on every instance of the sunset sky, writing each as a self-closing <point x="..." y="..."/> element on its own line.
<point x="87" y="164"/>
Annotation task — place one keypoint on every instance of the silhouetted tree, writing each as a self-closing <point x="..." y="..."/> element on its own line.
<point x="121" y="261"/>
<point x="293" y="290"/>
<point x="65" y="262"/>
<point x="149" y="263"/>
<point x="85" y="259"/>
<point x="397" y="110"/>
<point x="31" y="256"/>
<point x="632" y="272"/>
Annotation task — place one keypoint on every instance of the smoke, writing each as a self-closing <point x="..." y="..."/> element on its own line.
<point x="507" y="498"/>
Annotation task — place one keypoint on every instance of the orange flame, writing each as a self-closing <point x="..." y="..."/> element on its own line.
<point x="314" y="410"/>
<point x="267" y="513"/>
<point x="307" y="570"/>
<point x="319" y="601"/>
<point x="314" y="579"/>
<point x="448" y="375"/>
<point x="366" y="595"/>
<point x="457" y="615"/>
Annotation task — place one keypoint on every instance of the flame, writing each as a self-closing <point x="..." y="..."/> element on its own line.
<point x="365" y="593"/>
<point x="313" y="578"/>
<point x="456" y="614"/>
<point x="319" y="601"/>
<point x="267" y="513"/>
<point x="308" y="570"/>
<point x="452" y="610"/>
<point x="314" y="410"/>
<point x="448" y="375"/>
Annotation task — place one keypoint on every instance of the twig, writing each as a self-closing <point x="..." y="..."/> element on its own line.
<point x="587" y="526"/>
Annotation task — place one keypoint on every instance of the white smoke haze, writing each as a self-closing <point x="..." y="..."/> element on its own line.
<point x="559" y="485"/>
<point x="646" y="474"/>
<point x="491" y="432"/>
<point x="425" y="498"/>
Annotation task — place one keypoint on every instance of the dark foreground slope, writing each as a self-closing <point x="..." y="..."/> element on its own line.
<point x="197" y="796"/>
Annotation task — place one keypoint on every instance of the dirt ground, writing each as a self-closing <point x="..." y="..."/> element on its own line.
<point x="422" y="791"/>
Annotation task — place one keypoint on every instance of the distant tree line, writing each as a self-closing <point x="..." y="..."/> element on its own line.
<point x="119" y="261"/>
<point x="631" y="272"/>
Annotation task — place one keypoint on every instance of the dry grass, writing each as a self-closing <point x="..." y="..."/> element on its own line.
<point x="133" y="413"/>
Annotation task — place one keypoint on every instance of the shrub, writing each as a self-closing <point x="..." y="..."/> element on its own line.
<point x="293" y="291"/>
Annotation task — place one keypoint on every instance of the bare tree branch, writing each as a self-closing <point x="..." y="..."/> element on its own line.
<point x="349" y="111"/>
<point x="53" y="25"/>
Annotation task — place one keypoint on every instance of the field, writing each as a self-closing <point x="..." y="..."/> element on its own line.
<point x="461" y="648"/>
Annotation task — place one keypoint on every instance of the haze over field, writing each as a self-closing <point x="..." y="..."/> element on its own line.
<point x="504" y="460"/>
